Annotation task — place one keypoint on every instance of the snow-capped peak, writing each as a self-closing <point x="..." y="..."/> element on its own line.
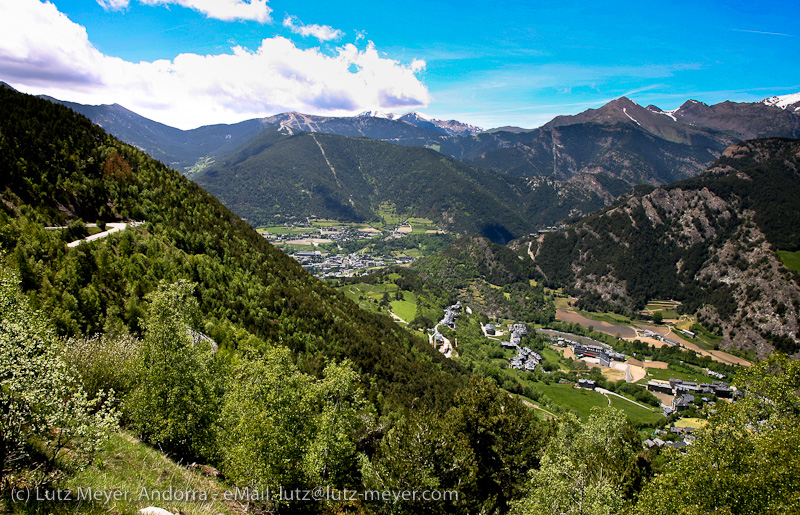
<point x="784" y="101"/>
<point x="378" y="114"/>
<point x="671" y="113"/>
<point x="418" y="115"/>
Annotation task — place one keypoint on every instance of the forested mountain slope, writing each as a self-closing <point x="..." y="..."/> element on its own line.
<point x="709" y="242"/>
<point x="58" y="168"/>
<point x="620" y="139"/>
<point x="279" y="177"/>
<point x="631" y="142"/>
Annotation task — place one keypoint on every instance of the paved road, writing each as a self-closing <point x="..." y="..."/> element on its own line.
<point x="115" y="227"/>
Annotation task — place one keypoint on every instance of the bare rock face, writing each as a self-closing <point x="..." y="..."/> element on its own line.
<point x="766" y="296"/>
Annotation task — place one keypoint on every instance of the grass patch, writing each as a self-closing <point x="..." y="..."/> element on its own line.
<point x="581" y="401"/>
<point x="703" y="338"/>
<point x="611" y="318"/>
<point x="137" y="472"/>
<point x="695" y="423"/>
<point x="405" y="309"/>
<point x="561" y="302"/>
<point x="635" y="413"/>
<point x="791" y="260"/>
<point x="366" y="296"/>
<point x="553" y="357"/>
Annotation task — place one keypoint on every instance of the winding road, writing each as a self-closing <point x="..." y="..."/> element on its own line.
<point x="115" y="227"/>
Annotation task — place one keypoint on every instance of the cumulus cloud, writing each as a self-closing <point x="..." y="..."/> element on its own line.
<point x="226" y="10"/>
<point x="321" y="32"/>
<point x="191" y="89"/>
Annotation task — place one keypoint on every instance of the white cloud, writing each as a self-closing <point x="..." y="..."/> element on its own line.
<point x="193" y="90"/>
<point x="321" y="32"/>
<point x="113" y="4"/>
<point x="226" y="10"/>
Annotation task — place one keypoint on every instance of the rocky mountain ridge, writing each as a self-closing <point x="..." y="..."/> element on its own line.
<point x="709" y="242"/>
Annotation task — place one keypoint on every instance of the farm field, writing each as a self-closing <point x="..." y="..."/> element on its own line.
<point x="373" y="294"/>
<point x="406" y="308"/>
<point x="579" y="399"/>
<point x="283" y="230"/>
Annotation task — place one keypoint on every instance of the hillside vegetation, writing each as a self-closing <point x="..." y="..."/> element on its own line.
<point x="194" y="265"/>
<point x="490" y="277"/>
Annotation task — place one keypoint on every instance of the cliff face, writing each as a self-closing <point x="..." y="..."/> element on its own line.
<point x="709" y="242"/>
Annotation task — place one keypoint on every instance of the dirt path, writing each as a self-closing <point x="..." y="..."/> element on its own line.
<point x="397" y="318"/>
<point x="716" y="355"/>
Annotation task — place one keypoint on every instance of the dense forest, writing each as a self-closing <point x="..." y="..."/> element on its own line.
<point x="194" y="334"/>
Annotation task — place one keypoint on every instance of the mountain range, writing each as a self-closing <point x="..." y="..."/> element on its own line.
<point x="524" y="178"/>
<point x="621" y="139"/>
<point x="281" y="176"/>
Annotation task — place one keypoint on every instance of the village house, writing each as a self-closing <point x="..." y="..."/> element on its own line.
<point x="588" y="384"/>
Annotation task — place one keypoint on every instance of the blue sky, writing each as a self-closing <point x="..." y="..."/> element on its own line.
<point x="487" y="63"/>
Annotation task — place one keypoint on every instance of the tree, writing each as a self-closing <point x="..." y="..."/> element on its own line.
<point x="746" y="461"/>
<point x="481" y="448"/>
<point x="175" y="401"/>
<point x="41" y="398"/>
<point x="505" y="436"/>
<point x="658" y="317"/>
<point x="423" y="452"/>
<point x="281" y="427"/>
<point x="586" y="467"/>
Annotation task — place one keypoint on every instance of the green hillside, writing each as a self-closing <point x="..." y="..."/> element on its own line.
<point x="68" y="169"/>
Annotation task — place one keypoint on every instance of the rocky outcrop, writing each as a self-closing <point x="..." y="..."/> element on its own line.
<point x="709" y="242"/>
